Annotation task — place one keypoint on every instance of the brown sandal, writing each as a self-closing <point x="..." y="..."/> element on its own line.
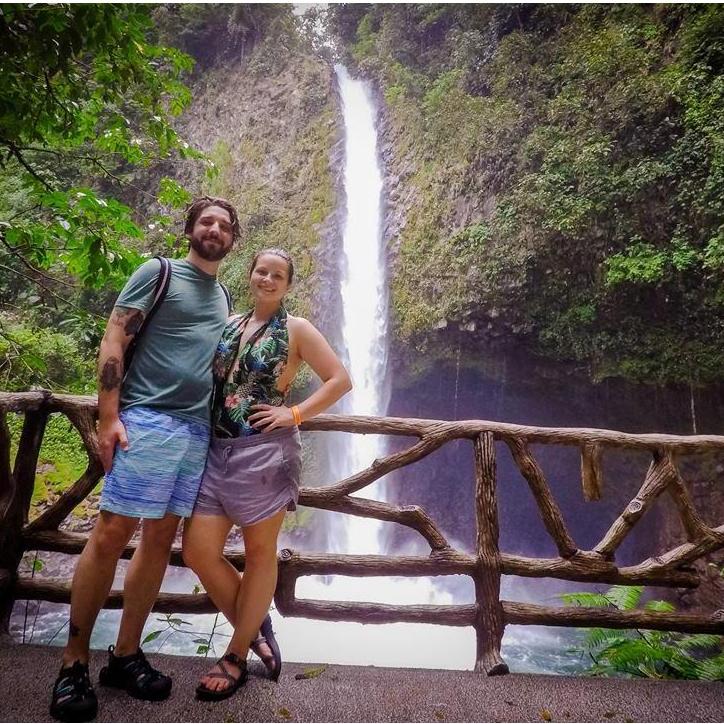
<point x="206" y="694"/>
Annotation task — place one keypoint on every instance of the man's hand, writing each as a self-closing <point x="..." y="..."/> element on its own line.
<point x="269" y="418"/>
<point x="110" y="433"/>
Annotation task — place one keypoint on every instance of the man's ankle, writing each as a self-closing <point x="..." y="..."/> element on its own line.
<point x="119" y="650"/>
<point x="70" y="657"/>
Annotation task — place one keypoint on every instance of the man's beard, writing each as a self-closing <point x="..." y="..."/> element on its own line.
<point x="210" y="250"/>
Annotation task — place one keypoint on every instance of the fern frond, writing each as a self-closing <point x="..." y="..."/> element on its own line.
<point x="598" y="637"/>
<point x="585" y="599"/>
<point x="632" y="653"/>
<point x="646" y="653"/>
<point x="624" y="598"/>
<point x="711" y="669"/>
<point x="701" y="641"/>
<point x="684" y="665"/>
<point x="663" y="606"/>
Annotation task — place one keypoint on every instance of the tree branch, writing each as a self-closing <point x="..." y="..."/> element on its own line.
<point x="18" y="254"/>
<point x="15" y="151"/>
<point x="50" y="291"/>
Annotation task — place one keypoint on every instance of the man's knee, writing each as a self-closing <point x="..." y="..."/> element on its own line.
<point x="112" y="534"/>
<point x="158" y="535"/>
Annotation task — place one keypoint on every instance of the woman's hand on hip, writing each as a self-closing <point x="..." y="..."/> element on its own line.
<point x="268" y="417"/>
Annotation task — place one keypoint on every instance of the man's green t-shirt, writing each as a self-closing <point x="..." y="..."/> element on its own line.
<point x="171" y="368"/>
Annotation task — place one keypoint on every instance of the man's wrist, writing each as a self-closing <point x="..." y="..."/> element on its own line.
<point x="107" y="418"/>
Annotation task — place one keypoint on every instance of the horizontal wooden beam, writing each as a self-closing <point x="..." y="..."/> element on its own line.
<point x="35" y="589"/>
<point x="441" y="563"/>
<point x="73" y="543"/>
<point x="416" y="427"/>
<point x="532" y="614"/>
<point x="582" y="567"/>
<point x="461" y="615"/>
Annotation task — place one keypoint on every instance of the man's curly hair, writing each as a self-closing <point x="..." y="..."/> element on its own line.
<point x="203" y="202"/>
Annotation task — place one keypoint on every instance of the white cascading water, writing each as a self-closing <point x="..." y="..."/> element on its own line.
<point x="364" y="297"/>
<point x="364" y="327"/>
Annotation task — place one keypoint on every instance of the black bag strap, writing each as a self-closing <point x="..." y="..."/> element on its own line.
<point x="227" y="294"/>
<point x="159" y="294"/>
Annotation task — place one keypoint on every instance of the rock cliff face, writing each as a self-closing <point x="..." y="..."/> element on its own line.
<point x="270" y="123"/>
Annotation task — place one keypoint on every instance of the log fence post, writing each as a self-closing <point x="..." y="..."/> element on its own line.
<point x="16" y="492"/>
<point x="489" y="621"/>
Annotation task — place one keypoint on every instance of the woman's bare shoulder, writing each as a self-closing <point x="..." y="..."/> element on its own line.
<point x="299" y="324"/>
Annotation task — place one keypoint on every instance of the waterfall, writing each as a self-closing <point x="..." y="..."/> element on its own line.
<point x="364" y="331"/>
<point x="364" y="297"/>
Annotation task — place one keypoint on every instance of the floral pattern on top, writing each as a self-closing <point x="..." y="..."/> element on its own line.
<point x="248" y="376"/>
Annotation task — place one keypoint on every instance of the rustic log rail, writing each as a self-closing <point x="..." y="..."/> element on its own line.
<point x="488" y="615"/>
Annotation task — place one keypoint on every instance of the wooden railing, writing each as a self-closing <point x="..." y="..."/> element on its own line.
<point x="488" y="615"/>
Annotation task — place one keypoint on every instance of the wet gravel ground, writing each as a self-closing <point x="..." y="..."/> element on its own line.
<point x="352" y="694"/>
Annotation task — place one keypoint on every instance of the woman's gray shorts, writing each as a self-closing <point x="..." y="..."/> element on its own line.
<point x="248" y="479"/>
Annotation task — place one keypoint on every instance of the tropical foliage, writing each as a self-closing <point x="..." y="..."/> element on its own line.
<point x="85" y="98"/>
<point x="647" y="654"/>
<point x="94" y="169"/>
<point x="86" y="108"/>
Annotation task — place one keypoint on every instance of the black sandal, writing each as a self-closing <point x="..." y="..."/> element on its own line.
<point x="205" y="694"/>
<point x="73" y="695"/>
<point x="273" y="661"/>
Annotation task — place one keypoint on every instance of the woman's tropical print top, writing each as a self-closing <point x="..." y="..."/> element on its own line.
<point x="248" y="376"/>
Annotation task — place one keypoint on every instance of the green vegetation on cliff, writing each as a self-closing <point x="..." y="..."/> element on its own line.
<point x="266" y="117"/>
<point x="560" y="174"/>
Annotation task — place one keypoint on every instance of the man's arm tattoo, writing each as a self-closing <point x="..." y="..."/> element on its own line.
<point x="110" y="376"/>
<point x="130" y="319"/>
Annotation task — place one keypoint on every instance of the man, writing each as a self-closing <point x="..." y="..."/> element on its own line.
<point x="153" y="434"/>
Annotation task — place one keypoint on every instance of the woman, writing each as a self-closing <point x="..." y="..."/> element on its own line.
<point x="254" y="463"/>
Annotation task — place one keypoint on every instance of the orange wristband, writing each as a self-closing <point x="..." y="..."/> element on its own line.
<point x="296" y="415"/>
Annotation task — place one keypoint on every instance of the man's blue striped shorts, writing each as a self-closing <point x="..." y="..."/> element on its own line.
<point x="161" y="470"/>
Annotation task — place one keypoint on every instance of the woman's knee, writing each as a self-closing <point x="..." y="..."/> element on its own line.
<point x="260" y="553"/>
<point x="197" y="553"/>
<point x="203" y="541"/>
<point x="191" y="555"/>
